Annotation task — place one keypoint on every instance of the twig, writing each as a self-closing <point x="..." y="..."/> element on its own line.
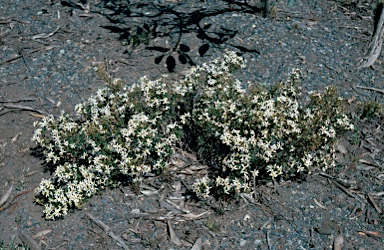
<point x="13" y="208"/>
<point x="21" y="107"/>
<point x="266" y="223"/>
<point x="346" y="191"/>
<point x="269" y="241"/>
<point x="370" y="88"/>
<point x="5" y="21"/>
<point x="327" y="175"/>
<point x="378" y="209"/>
<point x="107" y="229"/>
<point x="28" y="240"/>
<point x="17" y="82"/>
<point x="39" y="36"/>
<point x="254" y="187"/>
<point x="21" y="193"/>
<point x="28" y="53"/>
<point x="18" y="100"/>
<point x="353" y="212"/>
<point x="20" y="21"/>
<point x="319" y="204"/>
<point x="368" y="215"/>
<point x="22" y="55"/>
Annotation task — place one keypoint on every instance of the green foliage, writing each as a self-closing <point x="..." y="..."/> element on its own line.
<point x="12" y="245"/>
<point x="370" y="110"/>
<point x="141" y="36"/>
<point x="212" y="225"/>
<point x="245" y="135"/>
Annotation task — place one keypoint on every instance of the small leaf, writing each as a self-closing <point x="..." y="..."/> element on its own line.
<point x="198" y="244"/>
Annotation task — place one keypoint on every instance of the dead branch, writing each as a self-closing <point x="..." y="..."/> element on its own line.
<point x="370" y="88"/>
<point x="346" y="191"/>
<point x="378" y="209"/>
<point x="28" y="53"/>
<point x="375" y="45"/>
<point x="107" y="229"/>
<point x="43" y="35"/>
<point x="21" y="107"/>
<point x="18" y="100"/>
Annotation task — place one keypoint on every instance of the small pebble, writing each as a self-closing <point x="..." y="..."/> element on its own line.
<point x="257" y="242"/>
<point x="242" y="242"/>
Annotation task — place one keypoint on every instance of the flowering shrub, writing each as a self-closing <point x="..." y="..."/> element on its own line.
<point x="244" y="134"/>
<point x="127" y="131"/>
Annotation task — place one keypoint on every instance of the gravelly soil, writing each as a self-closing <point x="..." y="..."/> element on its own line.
<point x="48" y="53"/>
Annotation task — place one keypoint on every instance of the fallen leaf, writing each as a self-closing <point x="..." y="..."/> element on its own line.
<point x="149" y="192"/>
<point x="319" y="204"/>
<point x="194" y="216"/>
<point x="30" y="173"/>
<point x="177" y="186"/>
<point x="196" y="168"/>
<point x="191" y="170"/>
<point x="341" y="149"/>
<point x="369" y="163"/>
<point x="178" y="163"/>
<point x="247" y="197"/>
<point x="173" y="235"/>
<point x="189" y="155"/>
<point x="42" y="233"/>
<point x="14" y="139"/>
<point x="198" y="244"/>
<point x="338" y="242"/>
<point x="3" y="143"/>
<point x="36" y="115"/>
<point x="6" y="196"/>
<point x="374" y="234"/>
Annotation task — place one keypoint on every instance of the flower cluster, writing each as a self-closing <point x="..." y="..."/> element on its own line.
<point x="243" y="134"/>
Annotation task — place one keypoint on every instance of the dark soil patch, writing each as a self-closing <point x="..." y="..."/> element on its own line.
<point x="49" y="50"/>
